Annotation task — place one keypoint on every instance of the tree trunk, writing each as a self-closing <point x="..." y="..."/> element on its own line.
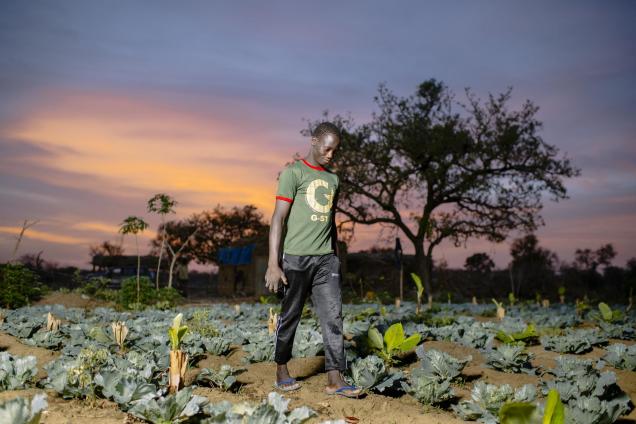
<point x="174" y="260"/>
<point x="163" y="241"/>
<point x="138" y="266"/>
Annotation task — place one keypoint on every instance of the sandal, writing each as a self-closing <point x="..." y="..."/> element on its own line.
<point x="346" y="391"/>
<point x="288" y="385"/>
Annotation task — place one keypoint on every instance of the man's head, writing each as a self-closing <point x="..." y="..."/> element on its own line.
<point x="325" y="139"/>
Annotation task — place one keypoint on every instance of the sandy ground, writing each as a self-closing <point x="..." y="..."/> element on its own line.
<point x="258" y="379"/>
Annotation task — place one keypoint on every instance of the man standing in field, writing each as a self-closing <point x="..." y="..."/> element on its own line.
<point x="310" y="265"/>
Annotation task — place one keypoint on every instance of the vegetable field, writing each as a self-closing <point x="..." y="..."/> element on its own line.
<point x="448" y="364"/>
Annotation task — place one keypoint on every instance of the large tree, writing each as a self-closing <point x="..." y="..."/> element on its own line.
<point x="437" y="169"/>
<point x="217" y="228"/>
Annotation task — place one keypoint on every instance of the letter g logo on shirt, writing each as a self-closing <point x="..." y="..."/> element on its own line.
<point x="312" y="199"/>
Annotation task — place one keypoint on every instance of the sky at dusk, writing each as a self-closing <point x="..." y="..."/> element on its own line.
<point x="105" y="104"/>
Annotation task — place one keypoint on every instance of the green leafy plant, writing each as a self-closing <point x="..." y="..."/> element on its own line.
<point x="528" y="336"/>
<point x="590" y="396"/>
<point x="509" y="358"/>
<point x="371" y="373"/>
<point x="420" y="290"/>
<point x="17" y="372"/>
<point x="134" y="225"/>
<point x="393" y="343"/>
<point x="124" y="389"/>
<point x="224" y="378"/>
<point x="201" y="322"/>
<point x="488" y="399"/>
<point x="620" y="356"/>
<point x="441" y="365"/>
<point x="18" y="286"/>
<point x="176" y="332"/>
<point x="273" y="410"/>
<point x="23" y="411"/>
<point x="528" y="413"/>
<point x="171" y="409"/>
<point x="427" y="389"/>
<point x="607" y="314"/>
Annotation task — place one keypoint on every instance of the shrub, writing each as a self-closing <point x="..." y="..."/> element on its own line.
<point x="148" y="296"/>
<point x="18" y="286"/>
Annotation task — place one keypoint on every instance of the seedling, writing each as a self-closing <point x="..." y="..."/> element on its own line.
<point x="607" y="314"/>
<point x="528" y="336"/>
<point x="501" y="311"/>
<point x="420" y="291"/>
<point x="562" y="294"/>
<point x="178" y="358"/>
<point x="393" y="342"/>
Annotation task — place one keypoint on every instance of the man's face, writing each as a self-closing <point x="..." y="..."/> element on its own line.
<point x="325" y="146"/>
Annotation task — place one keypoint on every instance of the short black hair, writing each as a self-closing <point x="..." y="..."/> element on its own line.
<point x="325" y="128"/>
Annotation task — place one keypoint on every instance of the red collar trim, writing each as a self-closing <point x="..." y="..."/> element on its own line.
<point x="317" y="168"/>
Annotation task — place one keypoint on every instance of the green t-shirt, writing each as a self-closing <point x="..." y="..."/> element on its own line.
<point x="311" y="190"/>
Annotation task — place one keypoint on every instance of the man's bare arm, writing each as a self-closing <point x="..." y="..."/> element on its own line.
<point x="274" y="273"/>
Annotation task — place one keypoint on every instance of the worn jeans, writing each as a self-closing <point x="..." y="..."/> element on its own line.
<point x="318" y="276"/>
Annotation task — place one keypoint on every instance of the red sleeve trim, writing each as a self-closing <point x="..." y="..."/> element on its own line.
<point x="286" y="199"/>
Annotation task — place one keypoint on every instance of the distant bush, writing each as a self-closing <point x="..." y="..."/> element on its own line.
<point x="18" y="286"/>
<point x="97" y="287"/>
<point x="148" y="296"/>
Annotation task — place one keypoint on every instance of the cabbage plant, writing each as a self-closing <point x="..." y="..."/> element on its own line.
<point x="273" y="410"/>
<point x="487" y="399"/>
<point x="224" y="378"/>
<point x="371" y="373"/>
<point x="17" y="372"/>
<point x="428" y="389"/>
<point x="620" y="356"/>
<point x="509" y="358"/>
<point x="441" y="365"/>
<point x="173" y="408"/>
<point x="590" y="396"/>
<point x="23" y="411"/>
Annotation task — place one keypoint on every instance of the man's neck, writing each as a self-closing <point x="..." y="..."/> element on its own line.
<point x="313" y="163"/>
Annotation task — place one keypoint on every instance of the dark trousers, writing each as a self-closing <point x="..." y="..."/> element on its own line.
<point x="318" y="276"/>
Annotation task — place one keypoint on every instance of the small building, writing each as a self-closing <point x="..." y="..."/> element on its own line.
<point x="120" y="267"/>
<point x="242" y="269"/>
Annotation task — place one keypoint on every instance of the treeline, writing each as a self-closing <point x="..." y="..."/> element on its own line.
<point x="533" y="272"/>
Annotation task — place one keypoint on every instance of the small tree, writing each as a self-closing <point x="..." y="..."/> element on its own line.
<point x="163" y="205"/>
<point x="177" y="253"/>
<point x="134" y="225"/>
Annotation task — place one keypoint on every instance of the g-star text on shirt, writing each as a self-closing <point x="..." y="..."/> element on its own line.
<point x="321" y="218"/>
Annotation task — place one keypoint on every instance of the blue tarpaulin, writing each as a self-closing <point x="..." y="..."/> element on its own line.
<point x="236" y="255"/>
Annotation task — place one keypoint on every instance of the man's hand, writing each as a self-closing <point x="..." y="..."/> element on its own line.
<point x="273" y="276"/>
